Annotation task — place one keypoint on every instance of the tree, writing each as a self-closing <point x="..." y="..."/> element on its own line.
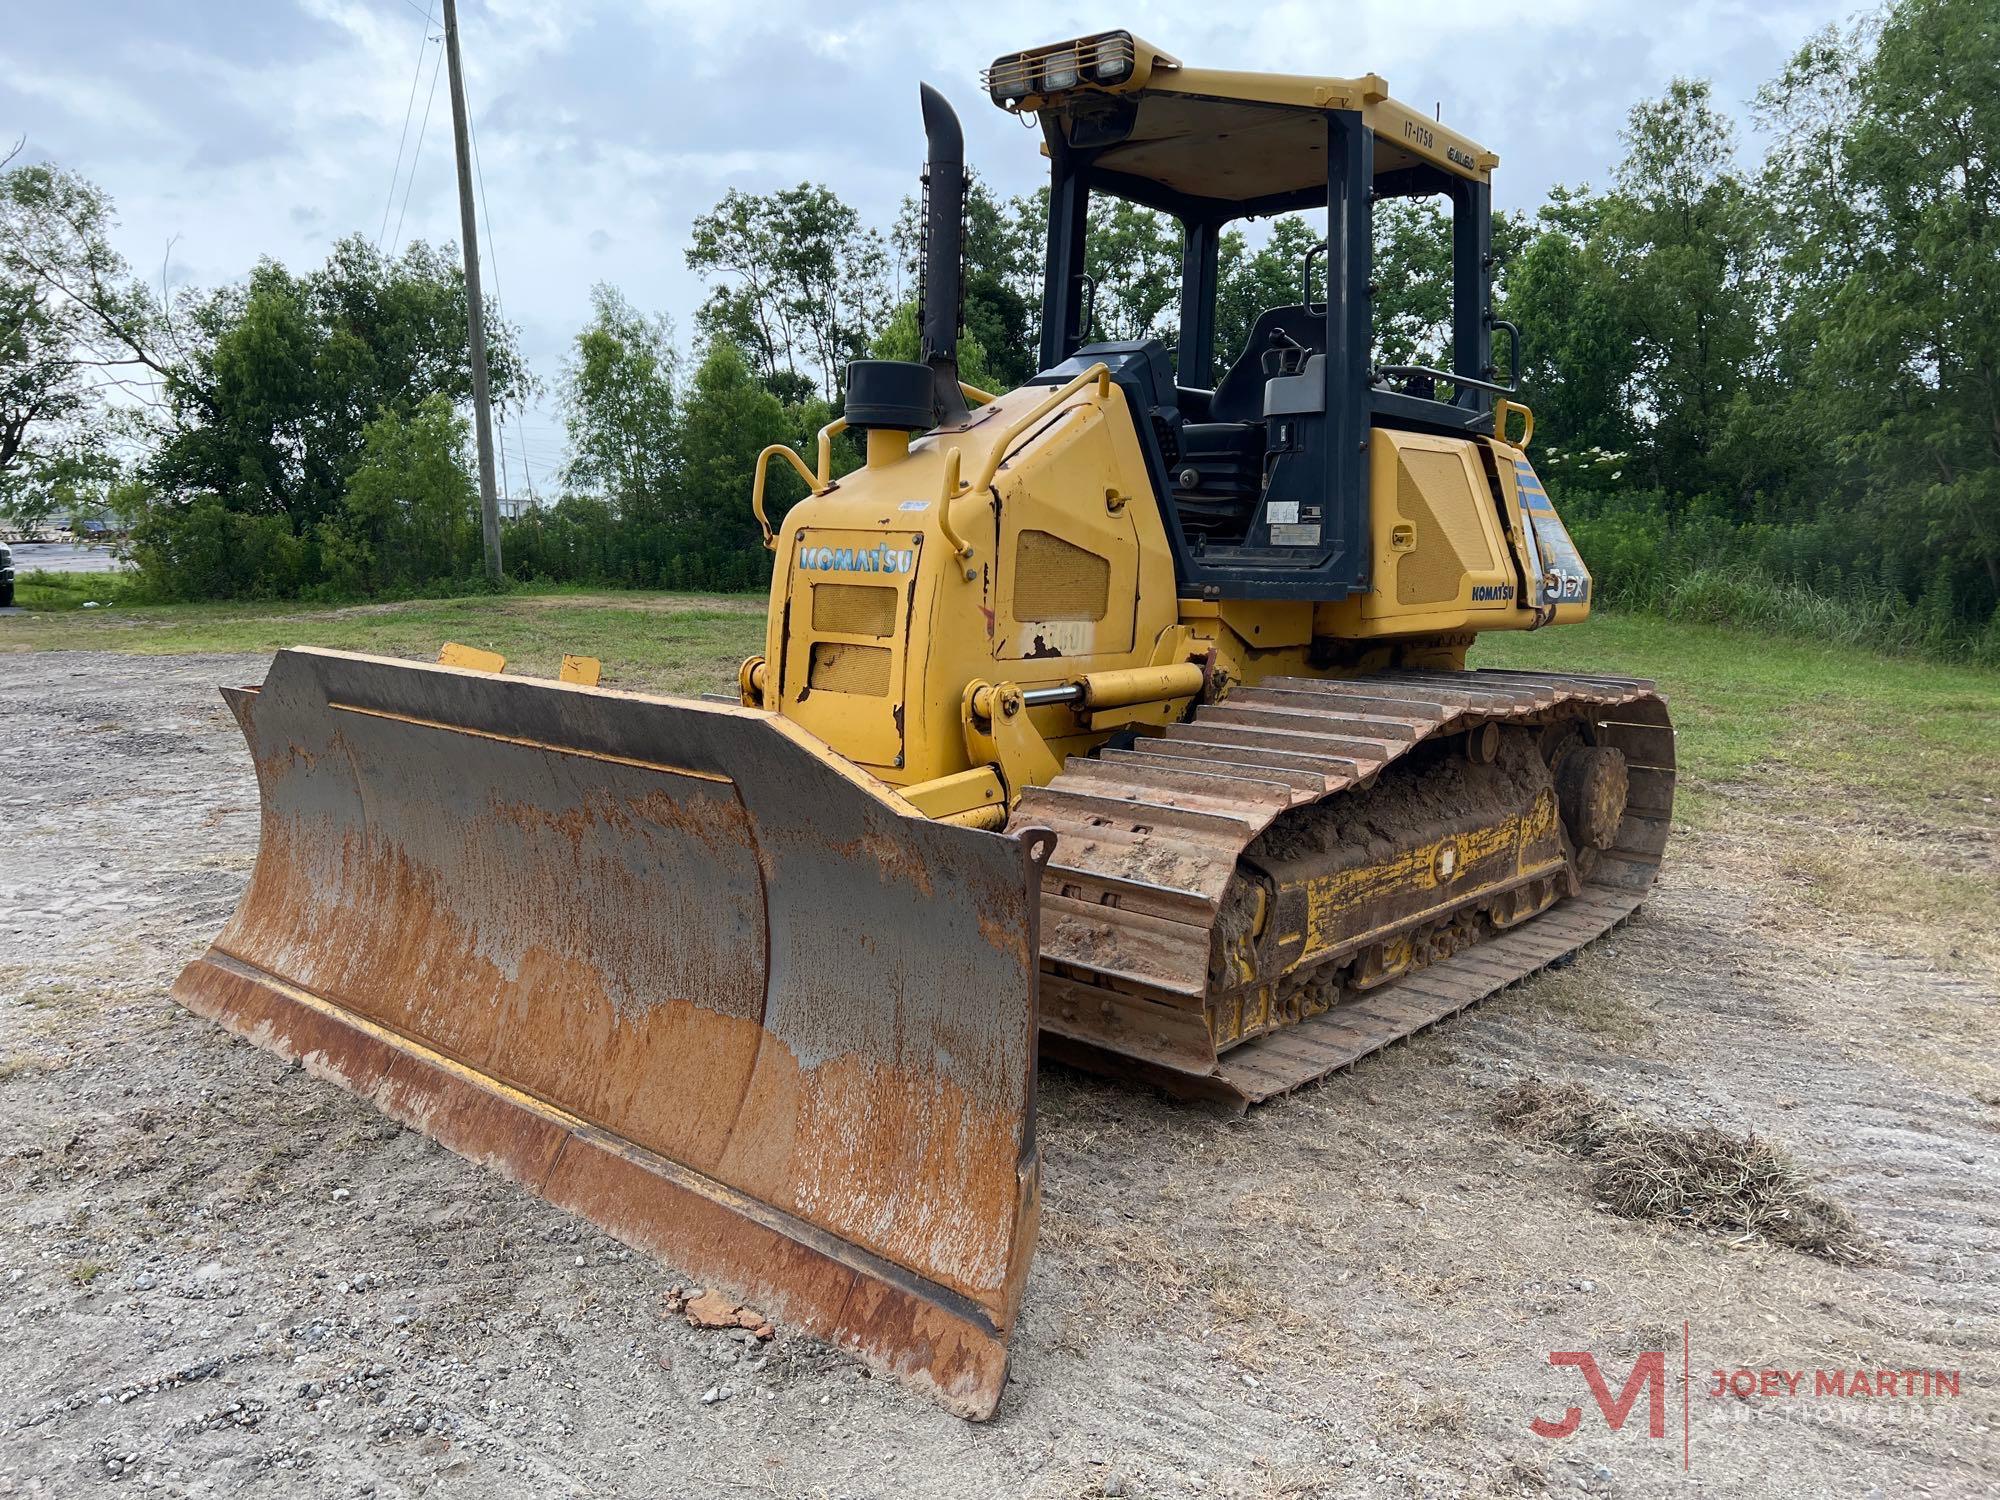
<point x="619" y="405"/>
<point x="799" y="284"/>
<point x="1247" y="282"/>
<point x="729" y="418"/>
<point x="1578" y="357"/>
<point x="1413" y="283"/>
<point x="42" y="388"/>
<point x="1679" y="237"/>
<point x="55" y="238"/>
<point x="70" y="476"/>
<point x="410" y="514"/>
<point x="902" y="338"/>
<point x="1002" y="282"/>
<point x="267" y="408"/>
<point x="60" y="281"/>
<point x="1908" y="358"/>
<point x="1133" y="256"/>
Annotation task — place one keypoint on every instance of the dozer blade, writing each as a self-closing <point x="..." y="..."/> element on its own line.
<point x="671" y="965"/>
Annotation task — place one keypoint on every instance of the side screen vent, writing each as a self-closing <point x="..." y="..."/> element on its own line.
<point x="1056" y="580"/>
<point x="853" y="609"/>
<point x="840" y="668"/>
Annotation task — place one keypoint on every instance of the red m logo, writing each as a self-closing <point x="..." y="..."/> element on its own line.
<point x="1651" y="1369"/>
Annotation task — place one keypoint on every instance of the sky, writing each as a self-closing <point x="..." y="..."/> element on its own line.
<point x="229" y="130"/>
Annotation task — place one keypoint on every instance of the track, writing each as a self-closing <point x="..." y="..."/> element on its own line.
<point x="1150" y="839"/>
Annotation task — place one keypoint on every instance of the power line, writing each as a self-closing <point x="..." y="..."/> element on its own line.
<point x="493" y="260"/>
<point x="417" y="155"/>
<point x="479" y="168"/>
<point x="486" y="211"/>
<point x="527" y="474"/>
<point x="409" y="108"/>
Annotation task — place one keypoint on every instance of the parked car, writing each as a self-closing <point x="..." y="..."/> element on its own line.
<point x="6" y="576"/>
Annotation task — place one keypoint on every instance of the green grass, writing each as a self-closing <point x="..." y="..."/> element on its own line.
<point x="1788" y="719"/>
<point x="669" y="642"/>
<point x="41" y="590"/>
<point x="1772" y="717"/>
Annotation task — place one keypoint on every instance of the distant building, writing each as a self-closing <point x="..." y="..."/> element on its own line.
<point x="513" y="507"/>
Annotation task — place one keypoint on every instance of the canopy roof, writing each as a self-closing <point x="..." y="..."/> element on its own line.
<point x="1182" y="138"/>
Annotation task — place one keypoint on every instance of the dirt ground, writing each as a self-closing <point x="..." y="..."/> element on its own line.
<point x="221" y="1277"/>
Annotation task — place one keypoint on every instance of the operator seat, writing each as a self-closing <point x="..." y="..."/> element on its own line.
<point x="1239" y="395"/>
<point x="1220" y="475"/>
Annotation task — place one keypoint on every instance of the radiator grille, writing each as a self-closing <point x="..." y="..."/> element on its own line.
<point x="854" y="608"/>
<point x="1055" y="580"/>
<point x="840" y="668"/>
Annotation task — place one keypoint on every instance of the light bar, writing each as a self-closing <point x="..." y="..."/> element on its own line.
<point x="1112" y="61"/>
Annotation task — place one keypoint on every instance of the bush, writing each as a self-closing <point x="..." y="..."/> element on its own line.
<point x="1834" y="582"/>
<point x="205" y="550"/>
<point x="409" y="517"/>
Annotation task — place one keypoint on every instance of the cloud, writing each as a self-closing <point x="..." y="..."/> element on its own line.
<point x="604" y="127"/>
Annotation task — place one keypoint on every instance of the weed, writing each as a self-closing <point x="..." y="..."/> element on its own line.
<point x="1409" y="1409"/>
<point x="1697" y="1176"/>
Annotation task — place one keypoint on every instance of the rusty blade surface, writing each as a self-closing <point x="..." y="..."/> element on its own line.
<point x="672" y="966"/>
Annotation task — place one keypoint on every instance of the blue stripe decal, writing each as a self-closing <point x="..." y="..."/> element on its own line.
<point x="1533" y="496"/>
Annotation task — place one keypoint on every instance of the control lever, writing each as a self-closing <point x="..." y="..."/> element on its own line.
<point x="1286" y="356"/>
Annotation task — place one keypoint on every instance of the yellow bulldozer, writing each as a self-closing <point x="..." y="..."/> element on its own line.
<point x="1123" y="718"/>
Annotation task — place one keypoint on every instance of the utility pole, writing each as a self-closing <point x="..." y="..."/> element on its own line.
<point x="482" y="413"/>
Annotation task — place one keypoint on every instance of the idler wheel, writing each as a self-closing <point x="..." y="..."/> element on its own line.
<point x="1591" y="786"/>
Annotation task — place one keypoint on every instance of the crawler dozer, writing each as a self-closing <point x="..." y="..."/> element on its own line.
<point x="1122" y="718"/>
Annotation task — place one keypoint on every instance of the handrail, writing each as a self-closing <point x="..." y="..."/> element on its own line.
<point x="951" y="493"/>
<point x="827" y="434"/>
<point x="1513" y="348"/>
<point x="821" y="482"/>
<point x="757" y="486"/>
<point x="1313" y="252"/>
<point x="818" y="483"/>
<point x="1099" y="373"/>
<point x="1087" y="324"/>
<point x="1403" y="372"/>
<point x="1502" y="409"/>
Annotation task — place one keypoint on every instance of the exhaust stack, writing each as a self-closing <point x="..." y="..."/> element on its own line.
<point x="942" y="267"/>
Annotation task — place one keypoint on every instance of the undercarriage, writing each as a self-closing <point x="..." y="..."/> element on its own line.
<point x="1314" y="868"/>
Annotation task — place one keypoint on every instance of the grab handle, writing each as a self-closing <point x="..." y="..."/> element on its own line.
<point x="812" y="480"/>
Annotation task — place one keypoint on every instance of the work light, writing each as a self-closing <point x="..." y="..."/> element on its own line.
<point x="1114" y="57"/>
<point x="1059" y="71"/>
<point x="1110" y="60"/>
